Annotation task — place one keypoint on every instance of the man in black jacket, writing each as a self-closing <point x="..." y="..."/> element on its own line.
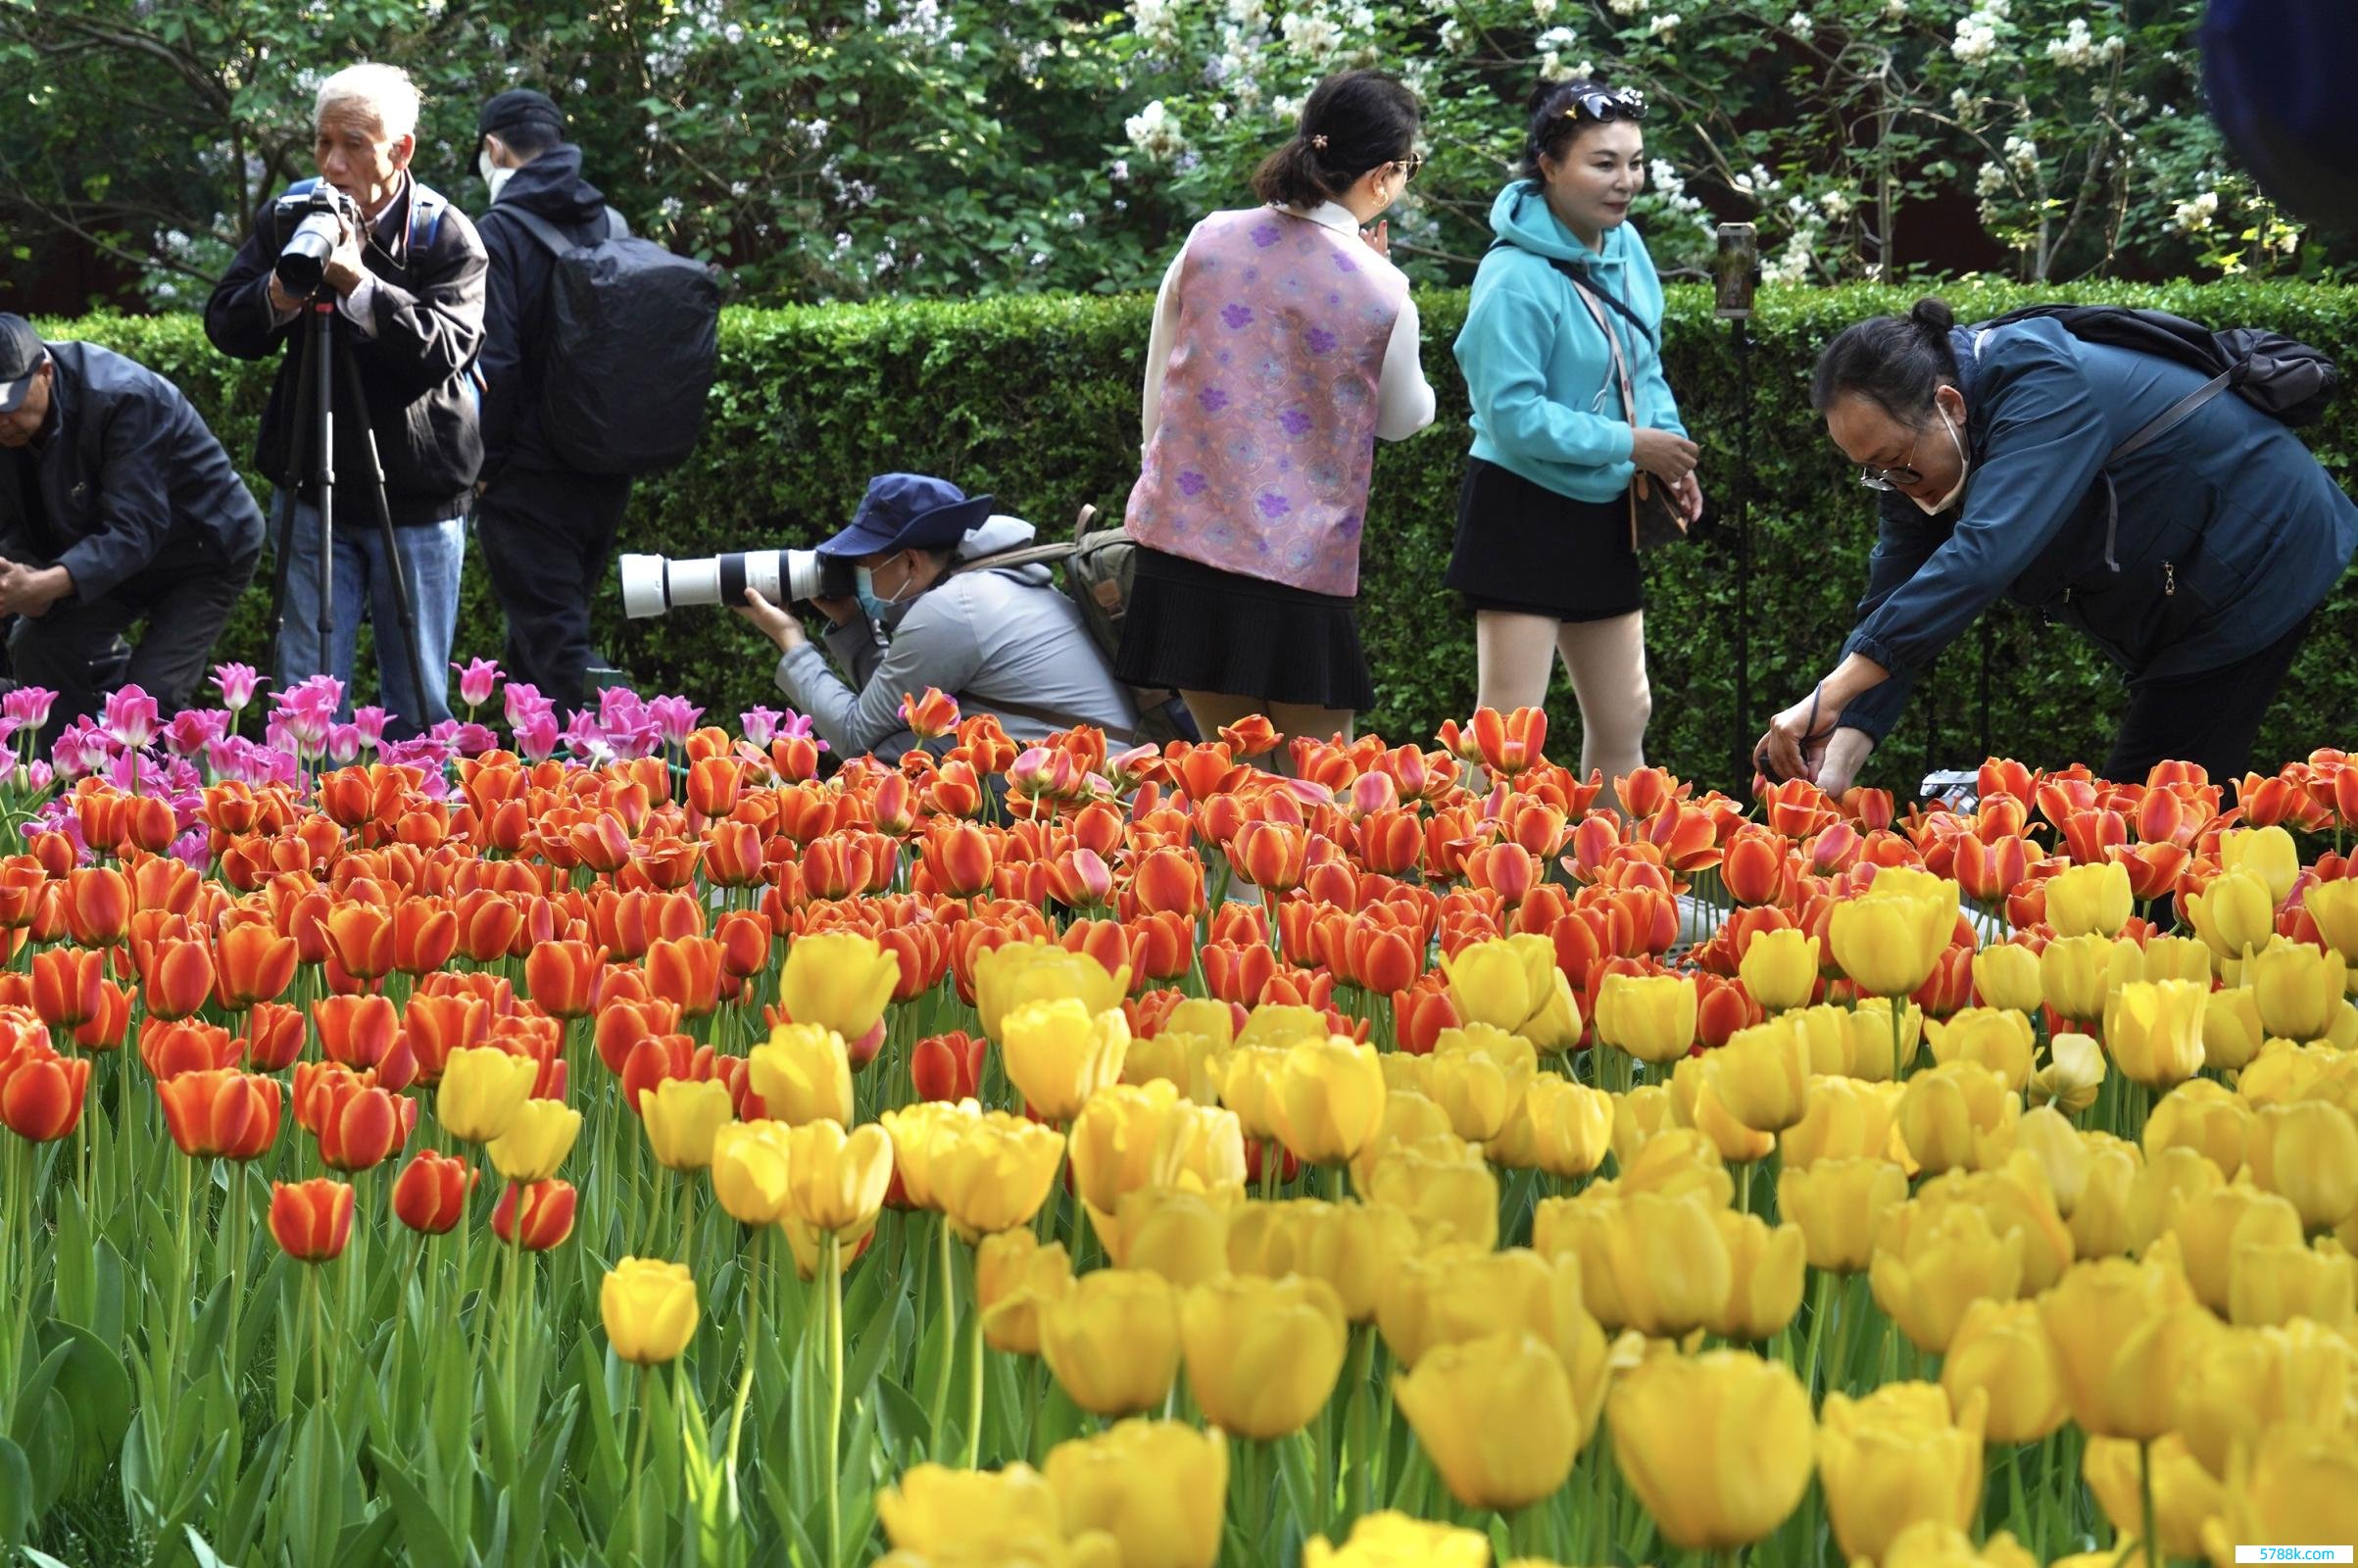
<point x="117" y="506"/>
<point x="547" y="529"/>
<point x="408" y="297"/>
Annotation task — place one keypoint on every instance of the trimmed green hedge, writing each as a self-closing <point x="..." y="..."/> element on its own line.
<point x="1036" y="400"/>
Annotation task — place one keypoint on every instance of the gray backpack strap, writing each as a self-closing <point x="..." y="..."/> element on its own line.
<point x="2162" y="423"/>
<point x="1024" y="556"/>
<point x="551" y="239"/>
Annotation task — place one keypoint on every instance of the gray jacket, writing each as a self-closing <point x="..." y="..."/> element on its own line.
<point x="1005" y="634"/>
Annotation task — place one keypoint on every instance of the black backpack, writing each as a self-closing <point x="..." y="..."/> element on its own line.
<point x="2280" y="377"/>
<point x="633" y="333"/>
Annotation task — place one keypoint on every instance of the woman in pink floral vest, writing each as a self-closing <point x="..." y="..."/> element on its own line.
<point x="1284" y="347"/>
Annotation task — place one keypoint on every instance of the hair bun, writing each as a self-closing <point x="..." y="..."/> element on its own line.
<point x="1931" y="314"/>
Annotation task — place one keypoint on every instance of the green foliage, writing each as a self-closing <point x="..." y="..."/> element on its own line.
<point x="1035" y="400"/>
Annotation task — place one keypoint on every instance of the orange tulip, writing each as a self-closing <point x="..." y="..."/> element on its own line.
<point x="313" y="1220"/>
<point x="356" y="1031"/>
<point x="65" y="985"/>
<point x="563" y="977"/>
<point x="1511" y="743"/>
<point x="170" y="1046"/>
<point x="98" y="906"/>
<point x="437" y="1025"/>
<point x="177" y="977"/>
<point x="958" y="857"/>
<point x="105" y="1027"/>
<point x="488" y="925"/>
<point x="275" y="1036"/>
<point x="548" y="1215"/>
<point x="360" y="1126"/>
<point x="41" y="1092"/>
<point x="685" y="970"/>
<point x="359" y="937"/>
<point x="714" y="784"/>
<point x="1270" y="855"/>
<point x="231" y="1116"/>
<point x="429" y="1195"/>
<point x="744" y="940"/>
<point x="733" y="854"/>
<point x="426" y="933"/>
<point x="253" y="963"/>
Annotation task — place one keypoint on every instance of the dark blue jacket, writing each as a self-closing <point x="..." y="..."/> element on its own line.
<point x="2226" y="531"/>
<point x="515" y="311"/>
<point x="127" y="474"/>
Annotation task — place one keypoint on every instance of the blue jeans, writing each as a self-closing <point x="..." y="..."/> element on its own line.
<point x="432" y="556"/>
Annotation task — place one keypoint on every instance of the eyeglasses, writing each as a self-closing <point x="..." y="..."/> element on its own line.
<point x="1895" y="478"/>
<point x="1626" y="103"/>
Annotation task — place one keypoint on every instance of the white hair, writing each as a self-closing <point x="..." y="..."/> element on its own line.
<point x="385" y="93"/>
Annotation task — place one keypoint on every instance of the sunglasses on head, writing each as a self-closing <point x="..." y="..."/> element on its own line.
<point x="1612" y="104"/>
<point x="1409" y="165"/>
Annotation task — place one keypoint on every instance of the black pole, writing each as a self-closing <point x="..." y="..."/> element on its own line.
<point x="1739" y="327"/>
<point x="1989" y="639"/>
<point x="298" y="459"/>
<point x="358" y="401"/>
<point x="322" y="339"/>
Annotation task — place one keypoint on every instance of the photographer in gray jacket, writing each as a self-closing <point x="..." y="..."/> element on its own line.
<point x="931" y="612"/>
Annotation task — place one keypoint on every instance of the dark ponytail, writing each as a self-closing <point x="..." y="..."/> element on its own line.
<point x="1894" y="361"/>
<point x="1350" y="124"/>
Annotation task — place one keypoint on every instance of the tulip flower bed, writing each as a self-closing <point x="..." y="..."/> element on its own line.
<point x="657" y="1153"/>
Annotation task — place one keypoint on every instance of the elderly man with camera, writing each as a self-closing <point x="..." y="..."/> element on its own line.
<point x="116" y="506"/>
<point x="917" y="603"/>
<point x="392" y="278"/>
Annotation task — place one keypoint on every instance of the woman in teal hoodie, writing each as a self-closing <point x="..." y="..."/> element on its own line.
<point x="1545" y="552"/>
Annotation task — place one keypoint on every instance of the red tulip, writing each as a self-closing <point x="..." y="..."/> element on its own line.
<point x="361" y="1126"/>
<point x="429" y="1195"/>
<point x="172" y="1046"/>
<point x="947" y="1066"/>
<point x="41" y="1092"/>
<point x="253" y="963"/>
<point x="177" y="977"/>
<point x="232" y="1115"/>
<point x="563" y="977"/>
<point x="98" y="905"/>
<point x="275" y="1036"/>
<point x="548" y="1215"/>
<point x="65" y="985"/>
<point x="356" y="1031"/>
<point x="313" y="1220"/>
<point x="105" y="1027"/>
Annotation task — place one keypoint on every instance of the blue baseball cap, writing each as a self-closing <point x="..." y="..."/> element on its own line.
<point x="909" y="511"/>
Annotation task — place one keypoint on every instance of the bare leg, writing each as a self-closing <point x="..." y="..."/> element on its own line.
<point x="1214" y="711"/>
<point x="1606" y="659"/>
<point x="1513" y="657"/>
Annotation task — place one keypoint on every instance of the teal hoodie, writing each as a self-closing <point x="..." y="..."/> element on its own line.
<point x="1539" y="371"/>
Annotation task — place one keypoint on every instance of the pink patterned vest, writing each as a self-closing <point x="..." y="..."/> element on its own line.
<point x="1260" y="459"/>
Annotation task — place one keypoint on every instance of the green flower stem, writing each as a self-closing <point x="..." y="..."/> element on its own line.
<point x="2144" y="1496"/>
<point x="974" y="1394"/>
<point x="937" y="1408"/>
<point x="832" y="1263"/>
<point x="319" y="1333"/>
<point x="638" y="1464"/>
<point x="753" y="1343"/>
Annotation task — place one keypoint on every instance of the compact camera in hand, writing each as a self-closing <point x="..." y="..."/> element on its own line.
<point x="307" y="226"/>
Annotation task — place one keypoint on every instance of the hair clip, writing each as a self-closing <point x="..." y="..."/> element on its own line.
<point x="1319" y="141"/>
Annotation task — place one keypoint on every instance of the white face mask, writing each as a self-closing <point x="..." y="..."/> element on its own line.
<point x="1933" y="508"/>
<point x="493" y="175"/>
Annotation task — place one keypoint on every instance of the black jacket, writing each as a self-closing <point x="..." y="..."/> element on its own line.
<point x="514" y="344"/>
<point x="130" y="476"/>
<point x="418" y="373"/>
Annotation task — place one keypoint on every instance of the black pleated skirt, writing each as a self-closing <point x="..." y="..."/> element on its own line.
<point x="1198" y="628"/>
<point x="1522" y="547"/>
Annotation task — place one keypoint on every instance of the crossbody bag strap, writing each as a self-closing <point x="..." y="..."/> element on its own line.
<point x="1629" y="391"/>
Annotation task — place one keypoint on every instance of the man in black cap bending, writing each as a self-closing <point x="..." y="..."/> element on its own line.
<point x="116" y="506"/>
<point x="547" y="529"/>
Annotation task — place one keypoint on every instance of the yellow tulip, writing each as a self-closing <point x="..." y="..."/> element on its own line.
<point x="1493" y="982"/>
<point x="808" y="1243"/>
<point x="1262" y="1355"/>
<point x="1761" y="1075"/>
<point x="1497" y="1418"/>
<point x="1825" y="1029"/>
<point x="2308" y="1153"/>
<point x="1764" y="1277"/>
<point x="1444" y="1187"/>
<point x="2267" y="853"/>
<point x="2100" y="1219"/>
<point x="2334" y="906"/>
<point x="839" y="1180"/>
<point x="1006" y="977"/>
<point x="1779" y="969"/>
<point x="2073" y="1073"/>
<point x="1639" y="1116"/>
<point x="2154" y="1031"/>
<point x="2213" y="1228"/>
<point x="1572" y="1126"/>
<point x="1872" y="1047"/>
<point x="2254" y="1379"/>
<point x="2283" y="1070"/>
<point x="994" y="1172"/>
<point x="1057" y="1053"/>
<point x="1328" y="1100"/>
<point x="1935" y="1544"/>
<point x="1651" y="1017"/>
<point x="2168" y="959"/>
<point x="681" y="1116"/>
<point x="1395" y="1541"/>
<point x="1994" y="1036"/>
<point x="2000" y="1353"/>
<point x="2273" y="1284"/>
<point x="2232" y="1035"/>
<point x="837" y="980"/>
<point x="2090" y="898"/>
<point x="1847" y="1118"/>
<point x="751" y="1176"/>
<point x="804" y="1073"/>
<point x="1282" y="1024"/>
<point x="2013" y="1194"/>
<point x="2184" y="1493"/>
<point x="1355" y="1247"/>
<point x="2005" y="974"/>
<point x="537" y="1140"/>
<point x="1719" y="1448"/>
<point x="1205" y="1016"/>
<point x="1129" y="1136"/>
<point x="2234" y="914"/>
<point x="1409" y="1118"/>
<point x="2076" y="973"/>
<point x="2061" y="1153"/>
<point x="2296" y="1484"/>
<point x="1670" y="1264"/>
<point x="1930" y="1263"/>
<point x="1580" y="1230"/>
<point x="2125" y="1336"/>
<point x="1478" y="1074"/>
<point x="1178" y="1234"/>
<point x="1889" y="937"/>
<point x="1112" y="1341"/>
<point x="1699" y="1106"/>
<point x="482" y="1089"/>
<point x="1178" y="1057"/>
<point x="1894" y="1458"/>
<point x="1837" y="1203"/>
<point x="2169" y="1179"/>
<point x="1009" y="1513"/>
<point x="2202" y="1116"/>
<point x="1159" y="1487"/>
<point x="648" y="1308"/>
<point x="1451" y="1295"/>
<point x="920" y="1132"/>
<point x="2299" y="988"/>
<point x="1945" y="1110"/>
<point x="1680" y="1161"/>
<point x="1014" y="1277"/>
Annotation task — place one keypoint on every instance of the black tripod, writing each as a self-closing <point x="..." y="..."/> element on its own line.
<point x="316" y="379"/>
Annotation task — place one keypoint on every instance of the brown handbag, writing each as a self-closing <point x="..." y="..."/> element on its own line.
<point x="1654" y="516"/>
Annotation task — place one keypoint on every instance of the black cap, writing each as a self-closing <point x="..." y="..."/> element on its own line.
<point x="21" y="354"/>
<point x="519" y="106"/>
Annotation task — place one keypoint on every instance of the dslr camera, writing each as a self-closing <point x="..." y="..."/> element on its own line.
<point x="653" y="585"/>
<point x="306" y="225"/>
